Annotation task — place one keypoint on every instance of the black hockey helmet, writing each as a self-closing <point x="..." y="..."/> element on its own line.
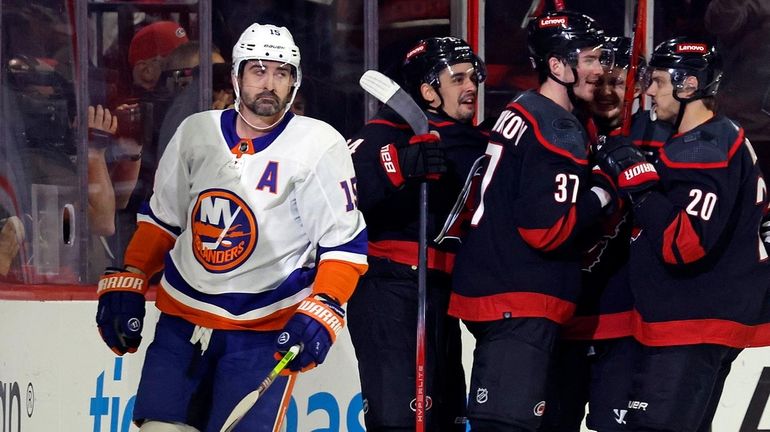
<point x="686" y="56"/>
<point x="622" y="47"/>
<point x="424" y="62"/>
<point x="562" y="35"/>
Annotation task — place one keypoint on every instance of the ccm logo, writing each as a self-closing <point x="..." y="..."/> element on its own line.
<point x="638" y="169"/>
<point x="691" y="48"/>
<point x="553" y="22"/>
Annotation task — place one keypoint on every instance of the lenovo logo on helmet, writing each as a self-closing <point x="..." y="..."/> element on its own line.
<point x="419" y="49"/>
<point x="691" y="48"/>
<point x="553" y="22"/>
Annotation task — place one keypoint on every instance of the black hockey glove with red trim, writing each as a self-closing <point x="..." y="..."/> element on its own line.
<point x="420" y="158"/>
<point x="627" y="167"/>
<point x="120" y="313"/>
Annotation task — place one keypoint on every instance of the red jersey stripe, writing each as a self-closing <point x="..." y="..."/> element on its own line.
<point x="510" y="305"/>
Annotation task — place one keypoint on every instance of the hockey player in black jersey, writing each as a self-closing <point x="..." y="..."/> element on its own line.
<point x="698" y="270"/>
<point x="596" y="346"/>
<point x="517" y="276"/>
<point x="442" y="74"/>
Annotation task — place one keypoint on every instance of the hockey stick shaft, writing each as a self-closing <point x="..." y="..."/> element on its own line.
<point x="535" y="9"/>
<point x="245" y="404"/>
<point x="636" y="51"/>
<point x="389" y="93"/>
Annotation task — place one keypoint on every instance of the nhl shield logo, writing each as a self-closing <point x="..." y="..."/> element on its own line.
<point x="482" y="395"/>
<point x="224" y="230"/>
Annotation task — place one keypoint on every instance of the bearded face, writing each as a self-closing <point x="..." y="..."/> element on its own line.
<point x="266" y="87"/>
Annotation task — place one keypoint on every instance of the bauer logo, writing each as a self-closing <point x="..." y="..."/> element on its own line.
<point x="691" y="48"/>
<point x="554" y="22"/>
<point x="224" y="230"/>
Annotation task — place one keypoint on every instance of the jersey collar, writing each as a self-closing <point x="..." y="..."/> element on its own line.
<point x="242" y="146"/>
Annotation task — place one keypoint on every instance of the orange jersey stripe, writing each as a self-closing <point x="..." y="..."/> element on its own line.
<point x="169" y="305"/>
<point x="338" y="279"/>
<point x="148" y="248"/>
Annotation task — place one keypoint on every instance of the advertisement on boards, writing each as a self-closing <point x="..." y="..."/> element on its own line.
<point x="57" y="375"/>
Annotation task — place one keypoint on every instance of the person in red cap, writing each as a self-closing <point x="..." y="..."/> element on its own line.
<point x="148" y="48"/>
<point x="142" y="110"/>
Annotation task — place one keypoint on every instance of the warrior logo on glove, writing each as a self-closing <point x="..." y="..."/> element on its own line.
<point x="314" y="326"/>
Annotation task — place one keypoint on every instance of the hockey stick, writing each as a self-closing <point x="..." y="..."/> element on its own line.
<point x="636" y="50"/>
<point x="535" y="9"/>
<point x="250" y="399"/>
<point x="389" y="93"/>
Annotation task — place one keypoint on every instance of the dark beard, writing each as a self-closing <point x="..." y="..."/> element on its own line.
<point x="263" y="109"/>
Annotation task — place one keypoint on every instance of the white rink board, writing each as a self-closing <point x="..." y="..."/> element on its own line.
<point x="56" y="372"/>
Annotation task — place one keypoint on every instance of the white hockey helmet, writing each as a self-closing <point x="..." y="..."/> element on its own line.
<point x="267" y="42"/>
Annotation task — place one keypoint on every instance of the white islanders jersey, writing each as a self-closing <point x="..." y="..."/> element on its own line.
<point x="252" y="218"/>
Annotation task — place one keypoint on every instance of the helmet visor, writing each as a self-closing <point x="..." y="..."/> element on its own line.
<point x="605" y="57"/>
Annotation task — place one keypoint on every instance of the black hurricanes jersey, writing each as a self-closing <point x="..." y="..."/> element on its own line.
<point x="604" y="308"/>
<point x="699" y="272"/>
<point x="392" y="214"/>
<point x="519" y="258"/>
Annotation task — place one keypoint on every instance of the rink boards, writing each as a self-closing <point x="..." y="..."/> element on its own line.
<point x="56" y="375"/>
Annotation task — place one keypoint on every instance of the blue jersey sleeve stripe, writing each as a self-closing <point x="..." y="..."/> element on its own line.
<point x="358" y="245"/>
<point x="242" y="303"/>
<point x="146" y="210"/>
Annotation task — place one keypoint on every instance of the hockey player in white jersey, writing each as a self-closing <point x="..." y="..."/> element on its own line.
<point x="253" y="214"/>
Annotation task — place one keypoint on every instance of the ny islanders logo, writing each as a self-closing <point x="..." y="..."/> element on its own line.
<point x="224" y="230"/>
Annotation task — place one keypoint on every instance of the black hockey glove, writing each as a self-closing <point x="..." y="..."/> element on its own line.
<point x="627" y="167"/>
<point x="120" y="313"/>
<point x="420" y="158"/>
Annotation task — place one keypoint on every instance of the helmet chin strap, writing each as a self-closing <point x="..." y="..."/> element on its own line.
<point x="266" y="128"/>
<point x="569" y="86"/>
<point x="440" y="108"/>
<point x="682" y="106"/>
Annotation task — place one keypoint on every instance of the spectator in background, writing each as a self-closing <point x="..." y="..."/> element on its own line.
<point x="11" y="239"/>
<point x="742" y="28"/>
<point x="149" y="47"/>
<point x="298" y="107"/>
<point x="141" y="114"/>
<point x="181" y="78"/>
<point x="46" y="124"/>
